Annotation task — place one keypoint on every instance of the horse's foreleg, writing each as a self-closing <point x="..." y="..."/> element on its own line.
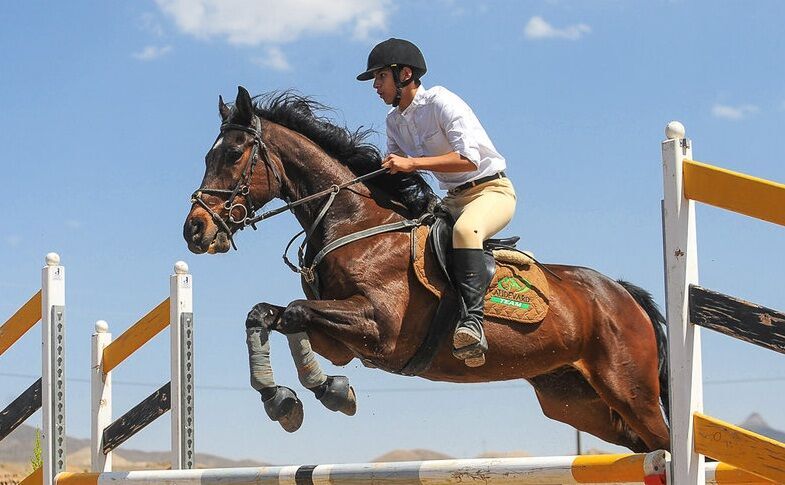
<point x="349" y="321"/>
<point x="280" y="403"/>
<point x="333" y="391"/>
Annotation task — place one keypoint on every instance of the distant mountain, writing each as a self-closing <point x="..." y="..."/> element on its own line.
<point x="18" y="448"/>
<point x="755" y="423"/>
<point x="504" y="454"/>
<point x="411" y="455"/>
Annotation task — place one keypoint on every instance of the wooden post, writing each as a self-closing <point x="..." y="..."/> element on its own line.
<point x="681" y="271"/>
<point x="182" y="379"/>
<point x="101" y="392"/>
<point x="53" y="368"/>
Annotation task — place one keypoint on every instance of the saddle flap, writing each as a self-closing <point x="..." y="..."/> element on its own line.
<point x="518" y="292"/>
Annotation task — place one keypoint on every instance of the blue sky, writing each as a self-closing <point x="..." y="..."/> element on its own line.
<point x="109" y="107"/>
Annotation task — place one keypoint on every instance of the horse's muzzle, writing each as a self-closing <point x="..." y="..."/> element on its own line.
<point x="202" y="234"/>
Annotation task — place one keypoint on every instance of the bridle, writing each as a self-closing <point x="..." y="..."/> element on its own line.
<point x="242" y="187"/>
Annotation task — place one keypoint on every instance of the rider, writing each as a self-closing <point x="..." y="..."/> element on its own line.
<point x="433" y="129"/>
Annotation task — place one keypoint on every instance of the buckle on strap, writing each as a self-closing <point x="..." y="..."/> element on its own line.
<point x="308" y="274"/>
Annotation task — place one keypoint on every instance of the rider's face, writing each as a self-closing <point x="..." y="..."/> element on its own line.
<point x="384" y="85"/>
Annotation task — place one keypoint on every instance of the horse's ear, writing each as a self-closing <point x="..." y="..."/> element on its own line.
<point x="243" y="104"/>
<point x="223" y="109"/>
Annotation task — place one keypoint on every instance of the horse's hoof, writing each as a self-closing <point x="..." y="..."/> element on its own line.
<point x="286" y="408"/>
<point x="337" y="395"/>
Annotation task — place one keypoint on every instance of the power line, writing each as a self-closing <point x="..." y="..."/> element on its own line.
<point x="383" y="390"/>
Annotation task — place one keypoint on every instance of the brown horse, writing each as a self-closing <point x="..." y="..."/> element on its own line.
<point x="595" y="361"/>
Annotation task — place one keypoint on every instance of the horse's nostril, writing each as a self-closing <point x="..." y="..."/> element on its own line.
<point x="197" y="227"/>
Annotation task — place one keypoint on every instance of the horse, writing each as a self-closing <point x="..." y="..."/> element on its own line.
<point x="596" y="361"/>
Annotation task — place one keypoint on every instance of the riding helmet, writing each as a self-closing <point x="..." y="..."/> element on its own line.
<point x="393" y="52"/>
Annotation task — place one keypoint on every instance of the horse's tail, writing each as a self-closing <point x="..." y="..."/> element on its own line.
<point x="644" y="299"/>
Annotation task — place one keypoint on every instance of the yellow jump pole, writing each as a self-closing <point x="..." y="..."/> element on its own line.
<point x="735" y="191"/>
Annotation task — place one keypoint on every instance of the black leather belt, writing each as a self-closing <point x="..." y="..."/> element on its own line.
<point x="474" y="183"/>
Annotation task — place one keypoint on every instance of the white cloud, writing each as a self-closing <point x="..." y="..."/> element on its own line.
<point x="275" y="60"/>
<point x="255" y="22"/>
<point x="538" y="28"/>
<point x="149" y="23"/>
<point x="734" y="113"/>
<point x="152" y="52"/>
<point x="374" y="21"/>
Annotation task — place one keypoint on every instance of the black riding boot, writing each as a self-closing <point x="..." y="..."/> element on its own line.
<point x="471" y="277"/>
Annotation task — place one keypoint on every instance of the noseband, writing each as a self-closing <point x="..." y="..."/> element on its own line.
<point x="242" y="188"/>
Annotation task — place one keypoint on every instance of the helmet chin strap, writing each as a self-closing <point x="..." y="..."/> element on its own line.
<point x="396" y="73"/>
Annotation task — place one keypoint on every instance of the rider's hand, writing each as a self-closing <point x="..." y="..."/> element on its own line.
<point x="397" y="163"/>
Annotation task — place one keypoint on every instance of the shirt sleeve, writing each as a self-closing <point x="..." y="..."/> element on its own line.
<point x="455" y="118"/>
<point x="392" y="146"/>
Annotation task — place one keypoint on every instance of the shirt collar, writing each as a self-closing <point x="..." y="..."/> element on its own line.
<point x="419" y="98"/>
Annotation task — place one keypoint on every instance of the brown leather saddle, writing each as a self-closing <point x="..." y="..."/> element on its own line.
<point x="518" y="291"/>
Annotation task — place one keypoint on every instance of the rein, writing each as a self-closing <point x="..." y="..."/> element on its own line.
<point x="249" y="217"/>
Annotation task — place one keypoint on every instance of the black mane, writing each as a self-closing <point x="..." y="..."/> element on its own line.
<point x="300" y="113"/>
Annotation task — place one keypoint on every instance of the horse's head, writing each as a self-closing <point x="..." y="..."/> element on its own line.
<point x="239" y="178"/>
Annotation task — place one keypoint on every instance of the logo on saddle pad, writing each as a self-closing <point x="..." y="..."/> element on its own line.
<point x="511" y="291"/>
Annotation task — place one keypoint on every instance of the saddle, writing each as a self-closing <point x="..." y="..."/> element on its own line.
<point x="518" y="292"/>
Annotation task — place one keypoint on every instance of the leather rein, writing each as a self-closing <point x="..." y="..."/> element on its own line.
<point x="249" y="209"/>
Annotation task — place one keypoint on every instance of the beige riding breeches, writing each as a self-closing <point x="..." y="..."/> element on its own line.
<point x="480" y="212"/>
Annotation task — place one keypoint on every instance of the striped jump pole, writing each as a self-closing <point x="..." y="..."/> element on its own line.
<point x="629" y="468"/>
<point x="177" y="395"/>
<point x="647" y="469"/>
<point x="48" y="392"/>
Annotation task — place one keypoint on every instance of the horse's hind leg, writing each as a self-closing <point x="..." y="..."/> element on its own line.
<point x="566" y="396"/>
<point x="623" y="370"/>
<point x="638" y="404"/>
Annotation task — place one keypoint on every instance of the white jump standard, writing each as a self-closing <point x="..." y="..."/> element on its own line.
<point x="48" y="392"/>
<point x="694" y="435"/>
<point x="177" y="395"/>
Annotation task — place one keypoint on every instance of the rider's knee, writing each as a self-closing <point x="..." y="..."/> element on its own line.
<point x="467" y="235"/>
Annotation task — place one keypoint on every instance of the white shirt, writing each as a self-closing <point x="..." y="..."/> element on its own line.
<point x="438" y="122"/>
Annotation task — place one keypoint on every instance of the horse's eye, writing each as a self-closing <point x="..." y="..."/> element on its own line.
<point x="232" y="155"/>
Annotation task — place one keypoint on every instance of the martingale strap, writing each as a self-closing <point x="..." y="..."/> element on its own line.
<point x="356" y="236"/>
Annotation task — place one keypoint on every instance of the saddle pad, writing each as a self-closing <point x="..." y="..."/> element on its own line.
<point x="518" y="292"/>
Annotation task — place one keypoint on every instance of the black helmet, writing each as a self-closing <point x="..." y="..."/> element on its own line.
<point x="394" y="52"/>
